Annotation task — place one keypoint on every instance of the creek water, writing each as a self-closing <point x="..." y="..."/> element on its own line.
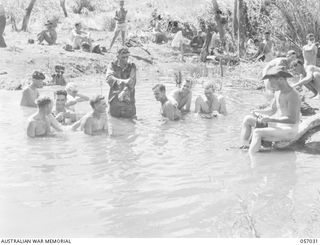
<point x="149" y="179"/>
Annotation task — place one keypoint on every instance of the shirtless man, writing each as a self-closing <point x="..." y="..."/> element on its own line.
<point x="121" y="25"/>
<point x="62" y="115"/>
<point x="168" y="109"/>
<point x="40" y="123"/>
<point x="268" y="47"/>
<point x="79" y="37"/>
<point x="310" y="76"/>
<point x="50" y="34"/>
<point x="95" y="123"/>
<point x="30" y="93"/>
<point x="281" y="120"/>
<point x="182" y="96"/>
<point x="74" y="96"/>
<point x="310" y="51"/>
<point x="211" y="104"/>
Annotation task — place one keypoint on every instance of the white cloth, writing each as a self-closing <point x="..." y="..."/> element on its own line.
<point x="178" y="40"/>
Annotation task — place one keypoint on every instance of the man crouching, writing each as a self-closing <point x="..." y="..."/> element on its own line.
<point x="278" y="122"/>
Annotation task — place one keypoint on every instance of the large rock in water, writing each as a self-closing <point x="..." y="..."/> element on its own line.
<point x="307" y="128"/>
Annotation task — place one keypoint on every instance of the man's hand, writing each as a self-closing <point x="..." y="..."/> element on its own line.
<point x="60" y="116"/>
<point x="264" y="119"/>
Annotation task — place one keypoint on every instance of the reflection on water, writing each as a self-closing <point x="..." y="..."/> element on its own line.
<point x="149" y="179"/>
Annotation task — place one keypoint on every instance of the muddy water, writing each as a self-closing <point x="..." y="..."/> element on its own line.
<point x="180" y="179"/>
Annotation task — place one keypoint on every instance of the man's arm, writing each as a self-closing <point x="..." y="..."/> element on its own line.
<point x="308" y="78"/>
<point x="169" y="111"/>
<point x="259" y="51"/>
<point x="188" y="104"/>
<point x="270" y="110"/>
<point x="54" y="123"/>
<point x="111" y="79"/>
<point x="31" y="130"/>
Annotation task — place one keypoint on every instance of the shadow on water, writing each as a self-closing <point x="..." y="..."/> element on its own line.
<point x="312" y="148"/>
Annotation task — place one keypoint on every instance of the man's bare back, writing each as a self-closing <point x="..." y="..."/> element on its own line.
<point x="38" y="126"/>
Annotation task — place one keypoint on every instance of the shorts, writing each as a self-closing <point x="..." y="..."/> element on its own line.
<point x="122" y="111"/>
<point x="121" y="27"/>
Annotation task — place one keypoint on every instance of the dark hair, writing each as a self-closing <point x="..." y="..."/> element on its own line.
<point x="267" y="32"/>
<point x="256" y="40"/>
<point x="310" y="35"/>
<point x="60" y="92"/>
<point x="94" y="100"/>
<point x="161" y="87"/>
<point x="43" y="101"/>
<point x="77" y="24"/>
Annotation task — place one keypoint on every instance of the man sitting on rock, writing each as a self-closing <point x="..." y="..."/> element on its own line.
<point x="49" y="35"/>
<point x="81" y="38"/>
<point x="278" y="122"/>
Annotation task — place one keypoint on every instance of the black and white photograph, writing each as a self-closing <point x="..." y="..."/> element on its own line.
<point x="159" y="119"/>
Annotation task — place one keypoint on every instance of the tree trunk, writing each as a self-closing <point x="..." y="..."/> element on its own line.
<point x="235" y="19"/>
<point x="217" y="18"/>
<point x="26" y="18"/>
<point x="63" y="6"/>
<point x="13" y="23"/>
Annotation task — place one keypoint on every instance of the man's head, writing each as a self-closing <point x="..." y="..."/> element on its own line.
<point x="199" y="32"/>
<point x="291" y="55"/>
<point x="186" y="86"/>
<point x="78" y="26"/>
<point x="44" y="105"/>
<point x="59" y="69"/>
<point x="121" y="3"/>
<point x="277" y="77"/>
<point x="267" y="35"/>
<point x="60" y="97"/>
<point x="297" y="66"/>
<point x="209" y="89"/>
<point x="123" y="56"/>
<point x="72" y="89"/>
<point x="159" y="91"/>
<point x="310" y="38"/>
<point x="256" y="42"/>
<point x="98" y="103"/>
<point x="37" y="79"/>
<point x="50" y="24"/>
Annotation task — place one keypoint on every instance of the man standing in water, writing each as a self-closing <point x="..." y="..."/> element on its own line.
<point x="168" y="109"/>
<point x="121" y="25"/>
<point x="310" y="51"/>
<point x="2" y="26"/>
<point x="310" y="76"/>
<point x="40" y="123"/>
<point x="60" y="112"/>
<point x="183" y="96"/>
<point x="211" y="104"/>
<point x="121" y="77"/>
<point x="95" y="122"/>
<point x="281" y="120"/>
<point x="30" y="93"/>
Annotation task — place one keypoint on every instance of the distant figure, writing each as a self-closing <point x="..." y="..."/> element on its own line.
<point x="121" y="77"/>
<point x="310" y="51"/>
<point x="30" y="93"/>
<point x="41" y="122"/>
<point x="259" y="55"/>
<point x="182" y="96"/>
<point x="121" y="25"/>
<point x="278" y="122"/>
<point x="268" y="47"/>
<point x="310" y="76"/>
<point x="168" y="109"/>
<point x="96" y="122"/>
<point x="2" y="26"/>
<point x="60" y="112"/>
<point x="80" y="37"/>
<point x="57" y="78"/>
<point x="197" y="42"/>
<point x="180" y="43"/>
<point x="210" y="104"/>
<point x="159" y="36"/>
<point x="49" y="35"/>
<point x="74" y="96"/>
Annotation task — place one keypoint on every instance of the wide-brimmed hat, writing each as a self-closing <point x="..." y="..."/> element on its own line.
<point x="291" y="52"/>
<point x="38" y="75"/>
<point x="276" y="71"/>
